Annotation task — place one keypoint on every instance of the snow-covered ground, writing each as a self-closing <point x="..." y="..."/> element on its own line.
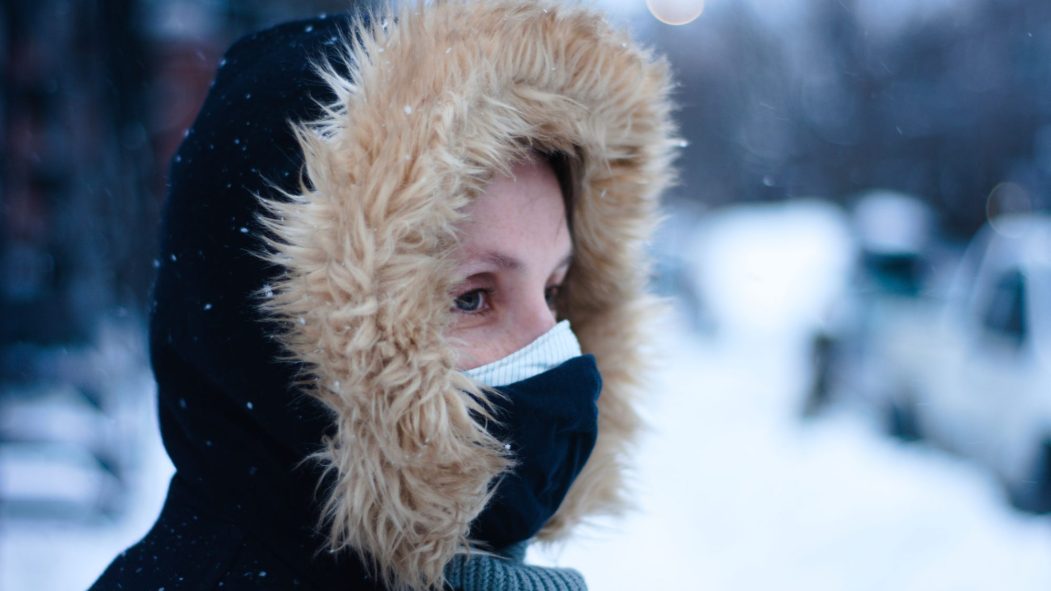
<point x="734" y="490"/>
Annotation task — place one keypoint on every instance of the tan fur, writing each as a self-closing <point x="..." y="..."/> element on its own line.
<point x="439" y="99"/>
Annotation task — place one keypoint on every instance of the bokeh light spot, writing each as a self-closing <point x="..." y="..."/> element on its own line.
<point x="1005" y="200"/>
<point x="675" y="12"/>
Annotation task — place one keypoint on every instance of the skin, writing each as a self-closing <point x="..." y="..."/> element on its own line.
<point x="515" y="250"/>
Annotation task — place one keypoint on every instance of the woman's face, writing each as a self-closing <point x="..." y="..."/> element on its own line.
<point x="514" y="252"/>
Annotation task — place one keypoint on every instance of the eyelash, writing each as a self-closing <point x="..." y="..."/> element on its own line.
<point x="550" y="296"/>
<point x="485" y="302"/>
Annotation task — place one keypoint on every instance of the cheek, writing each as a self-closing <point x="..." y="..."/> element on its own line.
<point x="478" y="345"/>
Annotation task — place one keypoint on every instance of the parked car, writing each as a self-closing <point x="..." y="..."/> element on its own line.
<point x="892" y="287"/>
<point x="971" y="372"/>
<point x="979" y="382"/>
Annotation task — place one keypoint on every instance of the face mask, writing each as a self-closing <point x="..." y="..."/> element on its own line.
<point x="550" y="422"/>
<point x="548" y="351"/>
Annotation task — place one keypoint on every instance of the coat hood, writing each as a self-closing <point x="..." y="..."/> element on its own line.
<point x="298" y="333"/>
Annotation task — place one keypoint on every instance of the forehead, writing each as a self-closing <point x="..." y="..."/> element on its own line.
<point x="524" y="207"/>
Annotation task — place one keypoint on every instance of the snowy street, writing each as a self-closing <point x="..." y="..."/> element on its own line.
<point x="735" y="491"/>
<point x="851" y="390"/>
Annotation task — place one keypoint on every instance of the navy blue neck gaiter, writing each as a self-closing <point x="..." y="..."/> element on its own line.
<point x="550" y="422"/>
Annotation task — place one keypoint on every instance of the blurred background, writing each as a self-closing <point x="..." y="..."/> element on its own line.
<point x="855" y="385"/>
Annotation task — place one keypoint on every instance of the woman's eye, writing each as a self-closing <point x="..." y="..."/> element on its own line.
<point x="471" y="301"/>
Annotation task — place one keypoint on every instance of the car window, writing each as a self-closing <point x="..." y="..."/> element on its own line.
<point x="894" y="273"/>
<point x="1004" y="315"/>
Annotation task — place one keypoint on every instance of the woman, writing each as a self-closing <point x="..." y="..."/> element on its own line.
<point x="386" y="245"/>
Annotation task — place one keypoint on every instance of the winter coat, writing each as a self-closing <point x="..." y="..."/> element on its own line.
<point x="308" y="398"/>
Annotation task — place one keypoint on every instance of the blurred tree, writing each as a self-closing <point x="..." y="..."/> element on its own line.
<point x="95" y="98"/>
<point x="831" y="97"/>
<point x="73" y="180"/>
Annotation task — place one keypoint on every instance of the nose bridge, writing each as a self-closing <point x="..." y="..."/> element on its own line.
<point x="537" y="317"/>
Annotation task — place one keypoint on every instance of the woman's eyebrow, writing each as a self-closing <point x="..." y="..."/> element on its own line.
<point x="502" y="260"/>
<point x="505" y="261"/>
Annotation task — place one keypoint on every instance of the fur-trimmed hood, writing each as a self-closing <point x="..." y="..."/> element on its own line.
<point x="330" y="281"/>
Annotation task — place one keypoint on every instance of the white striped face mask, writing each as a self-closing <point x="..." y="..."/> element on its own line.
<point x="548" y="351"/>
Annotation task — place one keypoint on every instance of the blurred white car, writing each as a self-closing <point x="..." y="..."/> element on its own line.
<point x="893" y="287"/>
<point x="974" y="374"/>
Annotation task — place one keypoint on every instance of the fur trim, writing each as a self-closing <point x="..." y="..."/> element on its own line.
<point x="437" y="101"/>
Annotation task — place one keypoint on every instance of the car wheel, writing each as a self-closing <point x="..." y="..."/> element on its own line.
<point x="1034" y="494"/>
<point x="822" y="361"/>
<point x="901" y="423"/>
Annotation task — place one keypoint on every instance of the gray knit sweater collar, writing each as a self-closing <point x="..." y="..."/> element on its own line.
<point x="507" y="571"/>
